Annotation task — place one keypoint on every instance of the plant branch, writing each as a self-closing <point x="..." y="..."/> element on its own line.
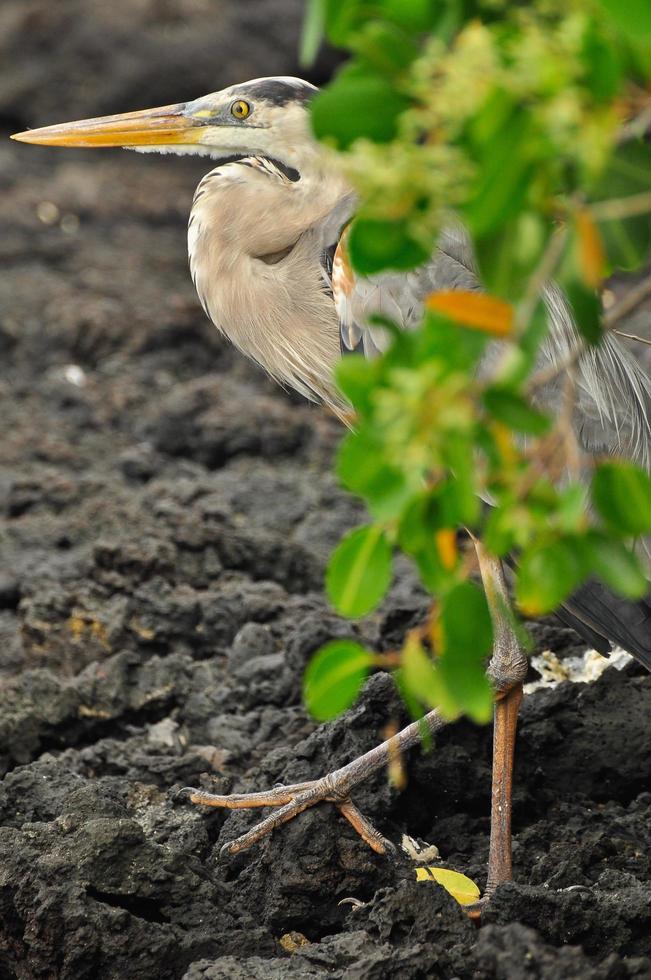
<point x="621" y="207"/>
<point x="541" y="275"/>
<point x="636" y="127"/>
<point x="552" y="371"/>
<point x="627" y="303"/>
<point x="632" y="336"/>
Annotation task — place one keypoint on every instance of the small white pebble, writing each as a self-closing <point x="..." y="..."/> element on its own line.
<point x="69" y="224"/>
<point x="75" y="375"/>
<point x="47" y="212"/>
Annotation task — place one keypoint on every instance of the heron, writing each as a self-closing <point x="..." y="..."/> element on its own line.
<point x="265" y="243"/>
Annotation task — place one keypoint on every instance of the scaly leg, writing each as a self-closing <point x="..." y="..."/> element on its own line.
<point x="507" y="670"/>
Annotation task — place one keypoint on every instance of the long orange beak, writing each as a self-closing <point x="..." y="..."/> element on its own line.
<point x="148" y="127"/>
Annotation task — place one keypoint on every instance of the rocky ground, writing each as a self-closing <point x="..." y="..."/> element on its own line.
<point x="166" y="516"/>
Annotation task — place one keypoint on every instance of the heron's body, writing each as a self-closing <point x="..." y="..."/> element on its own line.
<point x="257" y="238"/>
<point x="260" y="241"/>
<point x="264" y="240"/>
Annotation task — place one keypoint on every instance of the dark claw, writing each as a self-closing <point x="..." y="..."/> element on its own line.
<point x="225" y="851"/>
<point x="390" y="849"/>
<point x="185" y="793"/>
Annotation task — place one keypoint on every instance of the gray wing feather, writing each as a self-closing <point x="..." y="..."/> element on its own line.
<point x="612" y="415"/>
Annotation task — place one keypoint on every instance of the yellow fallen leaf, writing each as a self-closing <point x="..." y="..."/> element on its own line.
<point x="477" y="310"/>
<point x="462" y="889"/>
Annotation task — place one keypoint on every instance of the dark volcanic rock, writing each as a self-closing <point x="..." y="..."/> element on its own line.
<point x="166" y="517"/>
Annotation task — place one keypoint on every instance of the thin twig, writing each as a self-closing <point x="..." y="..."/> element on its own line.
<point x="565" y="427"/>
<point x="635" y="128"/>
<point x="632" y="336"/>
<point x="541" y="275"/>
<point x="627" y="303"/>
<point x="621" y="207"/>
<point x="545" y="375"/>
<point x="612" y="316"/>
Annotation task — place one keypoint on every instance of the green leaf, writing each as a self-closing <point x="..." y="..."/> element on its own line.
<point x="376" y="245"/>
<point x="615" y="565"/>
<point x="343" y="17"/>
<point x="414" y="15"/>
<point x="385" y="48"/>
<point x="503" y="143"/>
<point x="601" y="62"/>
<point x="415" y="530"/>
<point x="508" y="256"/>
<point x="465" y="621"/>
<point x="418" y="674"/>
<point x="430" y="511"/>
<point x="546" y="576"/>
<point x="460" y="503"/>
<point x="499" y="536"/>
<point x="357" y="378"/>
<point x="434" y="575"/>
<point x="633" y="17"/>
<point x="586" y="308"/>
<point x="628" y="173"/>
<point x="456" y="681"/>
<point x="358" y="104"/>
<point x="467" y="687"/>
<point x="359" y="571"/>
<point x="467" y="638"/>
<point x="572" y="508"/>
<point x="622" y="494"/>
<point x="334" y="677"/>
<point x="312" y="31"/>
<point x="457" y="348"/>
<point x="346" y="18"/>
<point x="362" y="469"/>
<point x="415" y="708"/>
<point x="512" y="409"/>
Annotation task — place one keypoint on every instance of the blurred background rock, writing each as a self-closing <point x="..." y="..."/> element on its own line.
<point x="165" y="515"/>
<point x="91" y="57"/>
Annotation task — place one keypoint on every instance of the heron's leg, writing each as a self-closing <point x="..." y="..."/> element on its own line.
<point x="507" y="670"/>
<point x="333" y="788"/>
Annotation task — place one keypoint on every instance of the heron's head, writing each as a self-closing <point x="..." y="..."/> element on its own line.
<point x="266" y="116"/>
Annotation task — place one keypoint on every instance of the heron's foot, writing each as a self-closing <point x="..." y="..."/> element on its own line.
<point x="290" y="801"/>
<point x="334" y="788"/>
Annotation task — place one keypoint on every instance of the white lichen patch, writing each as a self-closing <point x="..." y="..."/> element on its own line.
<point x="582" y="669"/>
<point x="419" y="850"/>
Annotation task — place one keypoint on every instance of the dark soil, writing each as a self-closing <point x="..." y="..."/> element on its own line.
<point x="167" y="513"/>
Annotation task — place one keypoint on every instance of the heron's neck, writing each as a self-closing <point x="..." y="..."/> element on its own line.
<point x="253" y="211"/>
<point x="256" y="240"/>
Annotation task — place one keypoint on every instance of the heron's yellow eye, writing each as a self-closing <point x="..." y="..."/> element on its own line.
<point x="240" y="109"/>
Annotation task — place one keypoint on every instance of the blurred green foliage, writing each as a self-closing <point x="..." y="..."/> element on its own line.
<point x="524" y="121"/>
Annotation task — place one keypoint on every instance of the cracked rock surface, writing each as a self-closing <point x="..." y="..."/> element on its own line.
<point x="166" y="516"/>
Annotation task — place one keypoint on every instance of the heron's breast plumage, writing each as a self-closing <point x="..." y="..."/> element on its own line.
<point x="258" y="275"/>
